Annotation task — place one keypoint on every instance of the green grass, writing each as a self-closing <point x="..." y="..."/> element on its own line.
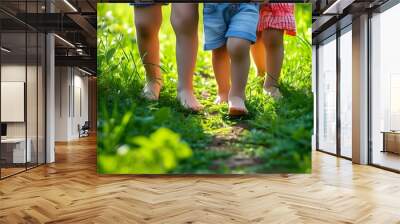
<point x="137" y="136"/>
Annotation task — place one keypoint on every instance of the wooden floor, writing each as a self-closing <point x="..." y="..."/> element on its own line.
<point x="5" y="172"/>
<point x="70" y="191"/>
<point x="387" y="159"/>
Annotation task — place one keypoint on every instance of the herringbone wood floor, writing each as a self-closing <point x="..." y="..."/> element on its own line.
<point x="70" y="191"/>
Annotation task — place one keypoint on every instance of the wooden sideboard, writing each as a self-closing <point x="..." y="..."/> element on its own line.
<point x="391" y="141"/>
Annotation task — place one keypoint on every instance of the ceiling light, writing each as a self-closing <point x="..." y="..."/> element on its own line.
<point x="64" y="40"/>
<point x="337" y="7"/>
<point x="80" y="51"/>
<point x="70" y="5"/>
<point x="331" y="8"/>
<point x="5" y="50"/>
<point x="86" y="72"/>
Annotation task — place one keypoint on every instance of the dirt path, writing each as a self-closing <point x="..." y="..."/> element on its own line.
<point x="229" y="141"/>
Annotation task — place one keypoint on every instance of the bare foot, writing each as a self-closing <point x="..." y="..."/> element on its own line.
<point x="273" y="92"/>
<point x="237" y="106"/>
<point x="221" y="98"/>
<point x="189" y="101"/>
<point x="151" y="90"/>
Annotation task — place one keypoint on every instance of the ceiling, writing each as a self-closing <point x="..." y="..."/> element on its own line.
<point x="331" y="15"/>
<point x="74" y="22"/>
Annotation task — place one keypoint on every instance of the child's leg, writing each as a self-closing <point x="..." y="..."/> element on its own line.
<point x="239" y="52"/>
<point x="184" y="19"/>
<point x="258" y="54"/>
<point x="222" y="71"/>
<point x="147" y="38"/>
<point x="273" y="41"/>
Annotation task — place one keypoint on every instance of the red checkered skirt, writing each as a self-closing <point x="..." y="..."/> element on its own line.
<point x="277" y="16"/>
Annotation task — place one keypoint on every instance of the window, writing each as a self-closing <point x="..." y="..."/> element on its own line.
<point x="346" y="75"/>
<point x="385" y="89"/>
<point x="22" y="88"/>
<point x="327" y="95"/>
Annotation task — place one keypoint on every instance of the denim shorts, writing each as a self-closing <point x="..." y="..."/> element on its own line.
<point x="224" y="20"/>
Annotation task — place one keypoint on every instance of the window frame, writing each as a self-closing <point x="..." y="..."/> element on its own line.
<point x="339" y="32"/>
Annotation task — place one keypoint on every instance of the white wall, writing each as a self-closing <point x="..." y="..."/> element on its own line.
<point x="33" y="126"/>
<point x="12" y="73"/>
<point x="62" y="81"/>
<point x="81" y="84"/>
<point x="70" y="83"/>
